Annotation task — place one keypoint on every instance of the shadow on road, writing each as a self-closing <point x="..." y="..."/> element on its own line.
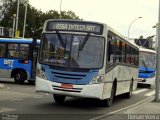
<point x="81" y="103"/>
<point x="12" y="82"/>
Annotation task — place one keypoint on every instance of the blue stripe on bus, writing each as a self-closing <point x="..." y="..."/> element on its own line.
<point x="78" y="78"/>
<point x="146" y="72"/>
<point x="146" y="75"/>
<point x="14" y="63"/>
<point x="146" y="69"/>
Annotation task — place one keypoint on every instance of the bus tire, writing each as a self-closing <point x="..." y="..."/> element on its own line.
<point x="19" y="77"/>
<point x="129" y="94"/>
<point x="59" y="98"/>
<point x="108" y="102"/>
<point x="149" y="85"/>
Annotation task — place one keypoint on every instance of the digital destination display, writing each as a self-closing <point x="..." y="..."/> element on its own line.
<point x="74" y="26"/>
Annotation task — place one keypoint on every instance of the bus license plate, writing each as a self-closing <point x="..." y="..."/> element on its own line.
<point x="68" y="86"/>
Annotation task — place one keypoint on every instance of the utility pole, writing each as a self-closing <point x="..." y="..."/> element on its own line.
<point x="13" y="28"/>
<point x="25" y="16"/>
<point x="60" y="8"/>
<point x="17" y="16"/>
<point x="157" y="93"/>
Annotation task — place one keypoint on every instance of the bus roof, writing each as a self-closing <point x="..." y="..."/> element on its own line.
<point x="19" y="40"/>
<point x="146" y="50"/>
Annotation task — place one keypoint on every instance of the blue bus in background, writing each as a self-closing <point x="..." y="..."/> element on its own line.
<point x="18" y="59"/>
<point x="147" y="66"/>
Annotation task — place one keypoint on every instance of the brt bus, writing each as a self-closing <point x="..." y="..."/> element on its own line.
<point x="18" y="59"/>
<point x="147" y="66"/>
<point x="85" y="59"/>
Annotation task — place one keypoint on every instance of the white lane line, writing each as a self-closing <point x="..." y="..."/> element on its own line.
<point x="139" y="91"/>
<point x="46" y="93"/>
<point x="150" y="93"/>
<point x="16" y="99"/>
<point x="125" y="108"/>
<point x="38" y="96"/>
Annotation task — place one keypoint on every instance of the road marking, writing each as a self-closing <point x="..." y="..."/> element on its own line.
<point x="16" y="99"/>
<point x="38" y="96"/>
<point x="139" y="91"/>
<point x="46" y="93"/>
<point x="150" y="93"/>
<point x="5" y="109"/>
<point x="119" y="110"/>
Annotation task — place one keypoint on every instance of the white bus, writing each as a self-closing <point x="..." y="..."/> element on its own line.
<point x="85" y="59"/>
<point x="147" y="66"/>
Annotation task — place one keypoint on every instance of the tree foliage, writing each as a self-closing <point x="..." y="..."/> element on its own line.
<point x="35" y="18"/>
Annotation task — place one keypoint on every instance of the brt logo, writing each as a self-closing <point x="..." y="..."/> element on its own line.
<point x="9" y="62"/>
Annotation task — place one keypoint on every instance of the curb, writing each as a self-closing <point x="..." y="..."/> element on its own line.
<point x="123" y="109"/>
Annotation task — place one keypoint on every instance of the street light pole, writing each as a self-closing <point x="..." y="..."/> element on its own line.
<point x="13" y="28"/>
<point x="157" y="91"/>
<point x="60" y="8"/>
<point x="25" y="16"/>
<point x="131" y="24"/>
<point x="17" y="16"/>
<point x="156" y="40"/>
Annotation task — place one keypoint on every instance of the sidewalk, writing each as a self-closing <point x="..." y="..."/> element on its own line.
<point x="147" y="110"/>
<point x="149" y="107"/>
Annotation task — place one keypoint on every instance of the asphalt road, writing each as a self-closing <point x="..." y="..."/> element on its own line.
<point x="23" y="102"/>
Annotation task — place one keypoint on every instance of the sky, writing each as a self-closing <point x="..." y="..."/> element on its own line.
<point x="118" y="14"/>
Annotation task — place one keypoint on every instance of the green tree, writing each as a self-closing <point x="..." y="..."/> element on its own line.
<point x="35" y="18"/>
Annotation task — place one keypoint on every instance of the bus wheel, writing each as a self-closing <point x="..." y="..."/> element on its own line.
<point x="129" y="94"/>
<point x="108" y="102"/>
<point x="59" y="98"/>
<point x="19" y="77"/>
<point x="149" y="85"/>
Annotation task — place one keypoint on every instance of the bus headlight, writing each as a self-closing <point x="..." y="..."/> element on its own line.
<point x="97" y="80"/>
<point x="41" y="74"/>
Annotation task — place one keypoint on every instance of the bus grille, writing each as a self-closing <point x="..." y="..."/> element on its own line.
<point x="69" y="76"/>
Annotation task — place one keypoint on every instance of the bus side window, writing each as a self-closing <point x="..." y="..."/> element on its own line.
<point x="110" y="50"/>
<point x="2" y="50"/>
<point x="120" y="51"/>
<point x="123" y="52"/>
<point x="136" y="57"/>
<point x="117" y="52"/>
<point x="13" y="50"/>
<point x="24" y="49"/>
<point x="131" y="55"/>
<point x="128" y="58"/>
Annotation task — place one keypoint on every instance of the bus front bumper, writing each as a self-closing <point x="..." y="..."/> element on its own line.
<point x="149" y="81"/>
<point x="87" y="91"/>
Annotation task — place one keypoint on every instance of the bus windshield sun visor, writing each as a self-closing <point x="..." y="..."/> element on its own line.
<point x="61" y="39"/>
<point x="84" y="42"/>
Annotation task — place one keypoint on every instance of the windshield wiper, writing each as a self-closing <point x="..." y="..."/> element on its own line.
<point x="84" y="42"/>
<point x="145" y="65"/>
<point x="61" y="39"/>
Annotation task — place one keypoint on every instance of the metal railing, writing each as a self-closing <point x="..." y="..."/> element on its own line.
<point x="5" y="32"/>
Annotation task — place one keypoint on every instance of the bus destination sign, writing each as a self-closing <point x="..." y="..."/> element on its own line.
<point x="75" y="26"/>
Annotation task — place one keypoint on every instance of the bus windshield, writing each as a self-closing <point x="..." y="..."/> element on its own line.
<point x="73" y="51"/>
<point x="147" y="60"/>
